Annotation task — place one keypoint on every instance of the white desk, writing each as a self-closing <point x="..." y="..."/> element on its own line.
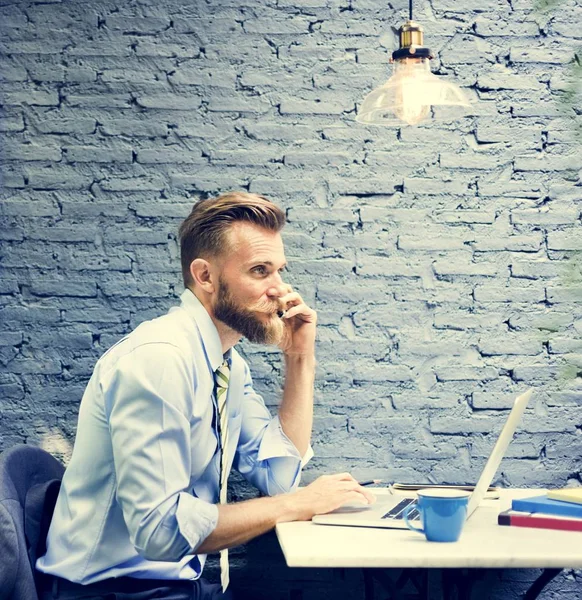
<point x="483" y="544"/>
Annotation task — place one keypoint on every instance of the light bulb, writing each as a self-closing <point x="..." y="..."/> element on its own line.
<point x="410" y="98"/>
<point x="412" y="89"/>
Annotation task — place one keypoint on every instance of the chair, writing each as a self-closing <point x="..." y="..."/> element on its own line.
<point x="29" y="485"/>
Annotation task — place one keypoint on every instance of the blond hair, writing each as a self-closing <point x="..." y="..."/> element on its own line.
<point x="203" y="232"/>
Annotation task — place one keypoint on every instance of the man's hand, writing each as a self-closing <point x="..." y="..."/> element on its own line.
<point x="242" y="521"/>
<point x="325" y="494"/>
<point x="300" y="321"/>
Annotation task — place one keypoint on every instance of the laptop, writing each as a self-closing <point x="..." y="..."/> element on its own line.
<point x="388" y="511"/>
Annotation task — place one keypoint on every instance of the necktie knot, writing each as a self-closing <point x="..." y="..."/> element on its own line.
<point x="222" y="375"/>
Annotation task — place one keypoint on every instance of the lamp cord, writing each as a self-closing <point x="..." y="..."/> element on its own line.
<point x="410" y="9"/>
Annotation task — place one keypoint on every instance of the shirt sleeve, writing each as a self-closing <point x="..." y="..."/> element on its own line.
<point x="265" y="456"/>
<point x="148" y="400"/>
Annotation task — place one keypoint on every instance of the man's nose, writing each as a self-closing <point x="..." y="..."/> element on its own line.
<point x="277" y="289"/>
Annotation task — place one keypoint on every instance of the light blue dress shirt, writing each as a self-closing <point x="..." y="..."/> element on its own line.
<point x="140" y="492"/>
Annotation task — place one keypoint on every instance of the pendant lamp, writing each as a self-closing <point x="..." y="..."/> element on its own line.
<point x="412" y="89"/>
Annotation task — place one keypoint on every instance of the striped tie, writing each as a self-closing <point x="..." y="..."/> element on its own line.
<point x="221" y="377"/>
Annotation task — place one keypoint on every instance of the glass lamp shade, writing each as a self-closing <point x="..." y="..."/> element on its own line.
<point x="409" y="94"/>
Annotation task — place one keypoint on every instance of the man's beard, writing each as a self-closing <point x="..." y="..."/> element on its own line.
<point x="244" y="320"/>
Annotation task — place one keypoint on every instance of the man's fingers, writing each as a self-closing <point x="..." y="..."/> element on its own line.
<point x="354" y="486"/>
<point x="290" y="298"/>
<point x="299" y="309"/>
<point x="363" y="494"/>
<point x="371" y="498"/>
<point x="292" y="305"/>
<point x="355" y="497"/>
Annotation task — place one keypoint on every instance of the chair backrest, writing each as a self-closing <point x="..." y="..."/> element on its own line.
<point x="29" y="481"/>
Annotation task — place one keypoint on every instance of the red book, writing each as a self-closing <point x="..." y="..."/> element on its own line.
<point x="538" y="520"/>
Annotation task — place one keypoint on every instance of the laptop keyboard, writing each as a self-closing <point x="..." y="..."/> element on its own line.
<point x="397" y="512"/>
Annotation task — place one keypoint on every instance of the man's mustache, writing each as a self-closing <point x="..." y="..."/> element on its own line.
<point x="267" y="307"/>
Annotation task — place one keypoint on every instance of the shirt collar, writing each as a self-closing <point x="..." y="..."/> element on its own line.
<point x="210" y="338"/>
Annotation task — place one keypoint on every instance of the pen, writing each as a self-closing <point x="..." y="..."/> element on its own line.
<point x="370" y="482"/>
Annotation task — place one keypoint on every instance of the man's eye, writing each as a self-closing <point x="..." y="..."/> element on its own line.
<point x="260" y="270"/>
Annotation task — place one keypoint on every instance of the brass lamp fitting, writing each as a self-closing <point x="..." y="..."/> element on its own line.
<point x="411" y="39"/>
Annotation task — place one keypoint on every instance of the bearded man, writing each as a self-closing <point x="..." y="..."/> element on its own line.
<point x="171" y="408"/>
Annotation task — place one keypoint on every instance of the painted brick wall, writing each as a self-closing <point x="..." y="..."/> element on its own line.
<point x="445" y="261"/>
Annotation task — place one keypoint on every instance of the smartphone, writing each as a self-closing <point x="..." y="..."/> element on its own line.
<point x="491" y="494"/>
<point x="413" y="487"/>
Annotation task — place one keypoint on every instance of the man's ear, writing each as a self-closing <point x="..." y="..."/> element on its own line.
<point x="201" y="275"/>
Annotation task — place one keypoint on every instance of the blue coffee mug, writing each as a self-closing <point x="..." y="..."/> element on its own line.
<point x="443" y="513"/>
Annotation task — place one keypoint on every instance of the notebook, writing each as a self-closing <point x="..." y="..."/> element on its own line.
<point x="388" y="511"/>
<point x="543" y="504"/>
<point x="566" y="495"/>
<point x="515" y="518"/>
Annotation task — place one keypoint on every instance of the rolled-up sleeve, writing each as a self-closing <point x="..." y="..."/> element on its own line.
<point x="265" y="456"/>
<point x="148" y="399"/>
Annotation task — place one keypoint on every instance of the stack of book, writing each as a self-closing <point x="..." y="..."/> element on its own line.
<point x="558" y="509"/>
